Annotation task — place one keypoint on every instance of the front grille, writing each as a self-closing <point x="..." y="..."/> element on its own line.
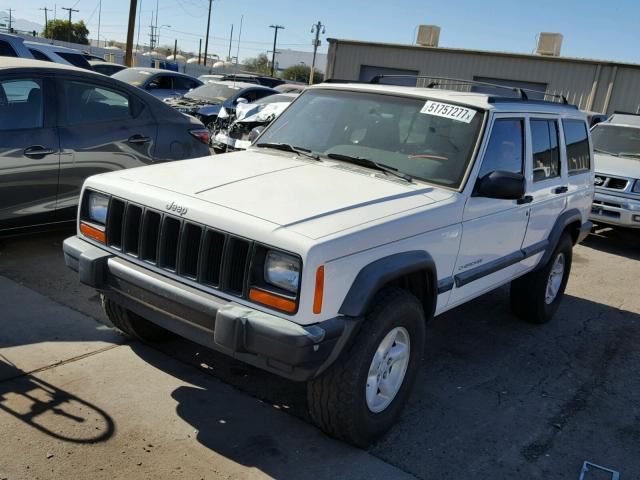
<point x="198" y="253"/>
<point x="611" y="182"/>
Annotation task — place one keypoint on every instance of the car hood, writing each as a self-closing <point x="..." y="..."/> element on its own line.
<point x="312" y="198"/>
<point x="617" y="166"/>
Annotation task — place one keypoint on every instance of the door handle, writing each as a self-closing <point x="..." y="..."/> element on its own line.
<point x="525" y="199"/>
<point x="37" y="151"/>
<point x="138" y="139"/>
<point x="562" y="189"/>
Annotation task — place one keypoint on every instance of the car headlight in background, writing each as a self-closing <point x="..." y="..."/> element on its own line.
<point x="636" y="187"/>
<point x="282" y="270"/>
<point x="97" y="207"/>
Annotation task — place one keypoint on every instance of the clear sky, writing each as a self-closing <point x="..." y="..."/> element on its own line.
<point x="600" y="29"/>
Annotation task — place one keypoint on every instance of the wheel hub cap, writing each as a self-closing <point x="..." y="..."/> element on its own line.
<point x="387" y="369"/>
<point x="555" y="279"/>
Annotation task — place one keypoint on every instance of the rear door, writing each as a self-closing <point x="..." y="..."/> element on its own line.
<point x="102" y="128"/>
<point x="29" y="151"/>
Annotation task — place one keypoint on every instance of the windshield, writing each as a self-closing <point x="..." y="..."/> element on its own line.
<point x="431" y="141"/>
<point x="132" y="76"/>
<point x="616" y="140"/>
<point x="212" y="92"/>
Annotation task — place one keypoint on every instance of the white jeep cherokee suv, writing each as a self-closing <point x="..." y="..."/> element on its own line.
<point x="360" y="213"/>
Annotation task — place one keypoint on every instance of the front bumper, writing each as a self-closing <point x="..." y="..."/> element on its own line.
<point x="266" y="341"/>
<point x="615" y="210"/>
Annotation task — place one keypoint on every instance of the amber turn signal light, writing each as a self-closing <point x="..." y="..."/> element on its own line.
<point x="317" y="298"/>
<point x="92" y="232"/>
<point x="271" y="300"/>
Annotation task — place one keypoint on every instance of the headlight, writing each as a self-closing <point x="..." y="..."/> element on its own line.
<point x="636" y="187"/>
<point x="282" y="270"/>
<point x="97" y="206"/>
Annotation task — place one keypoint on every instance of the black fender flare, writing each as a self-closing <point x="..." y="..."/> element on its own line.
<point x="568" y="216"/>
<point x="378" y="273"/>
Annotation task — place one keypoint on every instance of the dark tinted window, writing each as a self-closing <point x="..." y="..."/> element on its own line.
<point x="21" y="104"/>
<point x="546" y="155"/>
<point x="75" y="59"/>
<point x="87" y="103"/>
<point x="38" y="55"/>
<point x="506" y="147"/>
<point x="161" y="82"/>
<point x="106" y="69"/>
<point x="6" y="50"/>
<point x="180" y="83"/>
<point x="576" y="139"/>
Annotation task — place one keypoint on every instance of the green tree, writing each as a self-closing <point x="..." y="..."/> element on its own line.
<point x="59" y="30"/>
<point x="259" y="64"/>
<point x="300" y="73"/>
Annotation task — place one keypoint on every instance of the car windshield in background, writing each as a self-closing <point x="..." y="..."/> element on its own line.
<point x="617" y="140"/>
<point x="212" y="92"/>
<point x="428" y="140"/>
<point x="133" y="77"/>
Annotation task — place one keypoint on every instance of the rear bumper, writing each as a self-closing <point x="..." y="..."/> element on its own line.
<point x="266" y="341"/>
<point x="615" y="210"/>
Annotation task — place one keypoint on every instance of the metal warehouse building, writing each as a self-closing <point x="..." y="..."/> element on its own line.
<point x="594" y="85"/>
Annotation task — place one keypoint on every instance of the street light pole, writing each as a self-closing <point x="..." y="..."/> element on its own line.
<point x="206" y="40"/>
<point x="316" y="44"/>
<point x="275" y="40"/>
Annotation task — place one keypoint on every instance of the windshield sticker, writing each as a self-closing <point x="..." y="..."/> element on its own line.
<point x="445" y="110"/>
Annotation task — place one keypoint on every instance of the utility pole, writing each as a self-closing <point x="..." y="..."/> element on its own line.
<point x="175" y="50"/>
<point x="230" y="40"/>
<point x="99" y="15"/>
<point x="10" y="20"/>
<point x="275" y="40"/>
<point x="200" y="52"/>
<point x="128" y="56"/>
<point x="46" y="19"/>
<point x="316" y="43"/>
<point x="206" y="41"/>
<point x="151" y="36"/>
<point x="71" y="10"/>
<point x="139" y="21"/>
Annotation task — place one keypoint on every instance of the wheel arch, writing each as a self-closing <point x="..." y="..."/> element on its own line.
<point x="569" y="221"/>
<point x="414" y="271"/>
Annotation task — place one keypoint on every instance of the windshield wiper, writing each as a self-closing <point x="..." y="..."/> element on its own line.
<point x="287" y="147"/>
<point x="366" y="162"/>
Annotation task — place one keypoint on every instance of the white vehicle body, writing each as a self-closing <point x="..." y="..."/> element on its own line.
<point x="617" y="198"/>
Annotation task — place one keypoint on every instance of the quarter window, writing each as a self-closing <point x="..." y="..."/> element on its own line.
<point x="576" y="139"/>
<point x="86" y="103"/>
<point x="6" y="50"/>
<point x="506" y="147"/>
<point x="546" y="154"/>
<point x="21" y="104"/>
<point x="38" y="55"/>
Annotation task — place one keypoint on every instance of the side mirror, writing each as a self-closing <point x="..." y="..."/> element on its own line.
<point x="502" y="185"/>
<point x="241" y="100"/>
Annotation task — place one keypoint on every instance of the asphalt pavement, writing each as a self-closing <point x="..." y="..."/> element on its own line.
<point x="495" y="397"/>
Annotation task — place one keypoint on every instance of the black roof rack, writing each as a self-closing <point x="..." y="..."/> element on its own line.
<point x="522" y="92"/>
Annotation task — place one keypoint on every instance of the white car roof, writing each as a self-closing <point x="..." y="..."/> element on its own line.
<point x="627" y="119"/>
<point x="478" y="100"/>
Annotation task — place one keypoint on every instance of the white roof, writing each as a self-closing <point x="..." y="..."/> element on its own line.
<point x="627" y="119"/>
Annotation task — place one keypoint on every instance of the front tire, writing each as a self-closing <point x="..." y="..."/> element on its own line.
<point x="363" y="393"/>
<point x="536" y="296"/>
<point x="133" y="325"/>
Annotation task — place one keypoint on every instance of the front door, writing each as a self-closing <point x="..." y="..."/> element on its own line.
<point x="493" y="229"/>
<point x="102" y="128"/>
<point x="29" y="151"/>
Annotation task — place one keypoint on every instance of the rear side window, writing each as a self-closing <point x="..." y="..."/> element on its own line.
<point x="161" y="83"/>
<point x="505" y="151"/>
<point x="75" y="59"/>
<point x="180" y="83"/>
<point x="87" y="103"/>
<point x="7" y="50"/>
<point x="577" y="141"/>
<point x="21" y="104"/>
<point x="546" y="154"/>
<point x="38" y="55"/>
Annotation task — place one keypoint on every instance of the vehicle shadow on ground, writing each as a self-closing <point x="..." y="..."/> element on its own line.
<point x="617" y="241"/>
<point x="494" y="395"/>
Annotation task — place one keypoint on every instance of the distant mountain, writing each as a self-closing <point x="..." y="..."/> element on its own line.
<point x="20" y="23"/>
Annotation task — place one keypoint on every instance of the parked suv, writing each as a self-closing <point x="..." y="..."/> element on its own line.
<point x="617" y="162"/>
<point x="320" y="253"/>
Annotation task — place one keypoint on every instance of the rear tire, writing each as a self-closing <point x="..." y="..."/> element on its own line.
<point x="134" y="325"/>
<point x="535" y="297"/>
<point x="361" y="395"/>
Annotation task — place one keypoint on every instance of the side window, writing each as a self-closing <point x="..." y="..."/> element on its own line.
<point x="262" y="93"/>
<point x="505" y="151"/>
<point x="7" y="50"/>
<point x="576" y="139"/>
<point x="75" y="59"/>
<point x="87" y="103"/>
<point x="180" y="83"/>
<point x="546" y="154"/>
<point x="38" y="55"/>
<point x="161" y="83"/>
<point x="21" y="104"/>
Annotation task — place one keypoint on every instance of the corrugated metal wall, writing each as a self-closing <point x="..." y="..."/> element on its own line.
<point x="576" y="80"/>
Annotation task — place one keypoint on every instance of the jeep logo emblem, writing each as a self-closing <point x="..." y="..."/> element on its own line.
<point x="174" y="207"/>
